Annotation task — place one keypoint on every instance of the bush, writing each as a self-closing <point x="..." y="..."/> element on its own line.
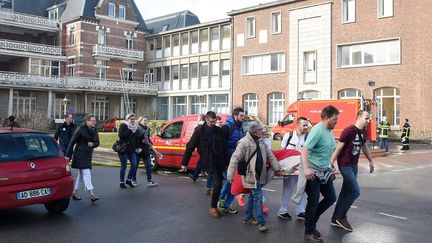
<point x="36" y="121"/>
<point x="156" y="125"/>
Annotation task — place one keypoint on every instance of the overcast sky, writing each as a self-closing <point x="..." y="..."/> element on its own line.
<point x="206" y="10"/>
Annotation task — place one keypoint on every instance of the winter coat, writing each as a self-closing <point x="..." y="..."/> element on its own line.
<point x="245" y="148"/>
<point x="144" y="134"/>
<point x="214" y="157"/>
<point x="127" y="136"/>
<point x="82" y="154"/>
<point x="234" y="132"/>
<point x="64" y="133"/>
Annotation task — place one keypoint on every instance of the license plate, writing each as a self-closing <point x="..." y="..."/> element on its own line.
<point x="33" y="193"/>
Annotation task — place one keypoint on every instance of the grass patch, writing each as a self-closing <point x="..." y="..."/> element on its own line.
<point x="107" y="139"/>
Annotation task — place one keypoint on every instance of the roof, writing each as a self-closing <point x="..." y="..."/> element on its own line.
<point x="261" y="6"/>
<point x="172" y="21"/>
<point x="38" y="8"/>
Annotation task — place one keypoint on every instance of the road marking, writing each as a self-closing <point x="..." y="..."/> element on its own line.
<point x="393" y="216"/>
<point x="382" y="164"/>
<point x="184" y="177"/>
<point x="270" y="190"/>
<point x="354" y="206"/>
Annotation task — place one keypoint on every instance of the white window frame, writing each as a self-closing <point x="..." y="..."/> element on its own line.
<point x="250" y="104"/>
<point x="276" y="109"/>
<point x="179" y="109"/>
<point x="122" y="8"/>
<point x="102" y="37"/>
<point x="112" y="6"/>
<point x="304" y="94"/>
<point x="382" y="5"/>
<point x="72" y="36"/>
<point x="279" y="23"/>
<point x="343" y="93"/>
<point x="53" y="14"/>
<point x="248" y="34"/>
<point x="71" y="66"/>
<point x="218" y="106"/>
<point x="345" y="13"/>
<point x="261" y="64"/>
<point x="23" y="105"/>
<point x="310" y="69"/>
<point x="379" y="96"/>
<point x="100" y="107"/>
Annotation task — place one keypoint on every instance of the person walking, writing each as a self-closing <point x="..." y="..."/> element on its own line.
<point x="347" y="153"/>
<point x="128" y="136"/>
<point x="316" y="155"/>
<point x="64" y="132"/>
<point x="405" y="137"/>
<point x="144" y="145"/>
<point x="80" y="149"/>
<point x="209" y="140"/>
<point x="293" y="140"/>
<point x="252" y="148"/>
<point x="384" y="130"/>
<point x="233" y="131"/>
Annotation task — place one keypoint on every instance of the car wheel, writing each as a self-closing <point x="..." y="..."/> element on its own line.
<point x="57" y="206"/>
<point x="277" y="137"/>
<point x="154" y="162"/>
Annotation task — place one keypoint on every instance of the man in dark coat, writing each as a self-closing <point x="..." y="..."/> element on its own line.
<point x="85" y="138"/>
<point x="210" y="142"/>
<point x="64" y="132"/>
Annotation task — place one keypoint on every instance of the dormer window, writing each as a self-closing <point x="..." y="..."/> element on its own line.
<point x="53" y="14"/>
<point x="111" y="9"/>
<point x="165" y="28"/>
<point x="122" y="11"/>
<point x="6" y="4"/>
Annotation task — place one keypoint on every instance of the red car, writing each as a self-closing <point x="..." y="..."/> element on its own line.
<point x="111" y="125"/>
<point x="33" y="171"/>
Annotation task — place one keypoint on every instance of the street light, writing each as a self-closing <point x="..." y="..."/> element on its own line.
<point x="64" y="104"/>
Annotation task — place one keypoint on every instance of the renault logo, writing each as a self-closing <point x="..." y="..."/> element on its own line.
<point x="32" y="165"/>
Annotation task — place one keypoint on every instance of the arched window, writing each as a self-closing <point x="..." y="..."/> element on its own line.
<point x="388" y="105"/>
<point x="250" y="104"/>
<point x="350" y="93"/>
<point x="310" y="94"/>
<point x="276" y="107"/>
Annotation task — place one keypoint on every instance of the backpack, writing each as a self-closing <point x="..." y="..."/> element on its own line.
<point x="290" y="137"/>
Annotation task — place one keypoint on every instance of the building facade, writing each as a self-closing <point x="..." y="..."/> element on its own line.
<point x="60" y="56"/>
<point x="191" y="64"/>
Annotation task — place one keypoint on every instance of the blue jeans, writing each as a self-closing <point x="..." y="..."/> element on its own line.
<point x="314" y="207"/>
<point x="147" y="161"/>
<point x="350" y="191"/>
<point x="133" y="162"/>
<point x="384" y="144"/>
<point x="254" y="204"/>
<point x="226" y="193"/>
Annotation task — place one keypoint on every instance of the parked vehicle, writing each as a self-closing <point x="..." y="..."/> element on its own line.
<point x="311" y="109"/>
<point x="171" y="141"/>
<point x="112" y="125"/>
<point x="33" y="171"/>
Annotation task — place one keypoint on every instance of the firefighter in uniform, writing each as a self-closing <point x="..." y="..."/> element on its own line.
<point x="383" y="131"/>
<point x="405" y="135"/>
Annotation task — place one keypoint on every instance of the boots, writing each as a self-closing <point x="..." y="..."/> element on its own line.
<point x="214" y="213"/>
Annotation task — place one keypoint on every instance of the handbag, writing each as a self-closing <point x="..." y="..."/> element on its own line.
<point x="119" y="147"/>
<point x="242" y="165"/>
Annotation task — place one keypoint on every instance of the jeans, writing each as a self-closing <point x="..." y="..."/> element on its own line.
<point x="254" y="205"/>
<point x="384" y="144"/>
<point x="217" y="179"/>
<point x="196" y="173"/>
<point x="350" y="191"/>
<point x="314" y="207"/>
<point x="133" y="162"/>
<point x="147" y="161"/>
<point x="226" y="193"/>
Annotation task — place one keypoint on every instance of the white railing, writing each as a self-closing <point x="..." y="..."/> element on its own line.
<point x="117" y="52"/>
<point x="35" y="21"/>
<point x="29" y="47"/>
<point x="27" y="79"/>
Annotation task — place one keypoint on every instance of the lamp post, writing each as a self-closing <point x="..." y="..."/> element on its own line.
<point x="64" y="104"/>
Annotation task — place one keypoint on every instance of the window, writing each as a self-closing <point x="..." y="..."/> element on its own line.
<point x="194" y="42"/>
<point x="369" y="54"/>
<point x="204" y="44"/>
<point x="175" y="72"/>
<point x="385" y="8"/>
<point x="262" y="64"/>
<point x="276" y="22"/>
<point x="214" y="38"/>
<point x="71" y="66"/>
<point x="59" y="106"/>
<point x="388" y="105"/>
<point x="310" y="94"/>
<point x="162" y="105"/>
<point x="219" y="103"/>
<point x="176" y="45"/>
<point x="179" y="106"/>
<point x="167" y="46"/>
<point x="159" y="47"/>
<point x="276" y="107"/>
<point x="111" y="9"/>
<point x="214" y="73"/>
<point x="166" y="70"/>
<point x="6" y="4"/>
<point x="350" y="93"/>
<point x="100" y="107"/>
<point x="53" y="14"/>
<point x="129" y="42"/>
<point x="198" y="104"/>
<point x="165" y="27"/>
<point x="101" y="69"/>
<point x="24" y="103"/>
<point x="173" y="131"/>
<point x="42" y="67"/>
<point x="185" y="43"/>
<point x="348" y="11"/>
<point x="225" y="67"/>
<point x="184" y="71"/>
<point x="72" y="36"/>
<point x="128" y="72"/>
<point x="250" y="27"/>
<point x="226" y="37"/>
<point x="204" y="69"/>
<point x="309" y="66"/>
<point x="158" y="74"/>
<point x="122" y="11"/>
<point x="194" y="70"/>
<point x="250" y="104"/>
<point x="101" y="36"/>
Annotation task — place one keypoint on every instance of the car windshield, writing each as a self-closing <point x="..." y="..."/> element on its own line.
<point x="23" y="147"/>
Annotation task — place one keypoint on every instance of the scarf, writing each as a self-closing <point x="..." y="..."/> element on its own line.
<point x="133" y="127"/>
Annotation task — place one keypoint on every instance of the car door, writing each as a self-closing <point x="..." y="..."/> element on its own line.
<point x="169" y="145"/>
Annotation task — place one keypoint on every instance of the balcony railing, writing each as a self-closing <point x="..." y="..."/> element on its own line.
<point x="20" y="46"/>
<point x="28" y="21"/>
<point x="118" y="53"/>
<point x="13" y="79"/>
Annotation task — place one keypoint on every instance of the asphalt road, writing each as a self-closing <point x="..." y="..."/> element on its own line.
<point x="394" y="206"/>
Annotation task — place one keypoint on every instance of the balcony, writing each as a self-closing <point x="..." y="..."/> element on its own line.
<point x="25" y="80"/>
<point x="28" y="21"/>
<point x="118" y="53"/>
<point x="27" y="49"/>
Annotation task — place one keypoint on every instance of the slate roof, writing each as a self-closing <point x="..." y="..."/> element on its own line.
<point x="173" y="21"/>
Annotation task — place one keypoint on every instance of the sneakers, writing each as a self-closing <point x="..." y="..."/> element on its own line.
<point x="122" y="185"/>
<point x="265" y="209"/>
<point x="312" y="237"/>
<point x="229" y="210"/>
<point x="129" y="183"/>
<point x="343" y="223"/>
<point x="240" y="200"/>
<point x="301" y="216"/>
<point x="76" y="197"/>
<point x="262" y="228"/>
<point x="193" y="179"/>
<point x="94" y="198"/>
<point x="214" y="213"/>
<point x="134" y="183"/>
<point x="221" y="203"/>
<point x="151" y="183"/>
<point x="250" y="221"/>
<point x="285" y="216"/>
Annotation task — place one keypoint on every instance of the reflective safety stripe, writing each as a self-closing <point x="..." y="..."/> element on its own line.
<point x="170" y="147"/>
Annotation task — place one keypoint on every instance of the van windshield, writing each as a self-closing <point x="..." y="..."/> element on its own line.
<point x="23" y="147"/>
